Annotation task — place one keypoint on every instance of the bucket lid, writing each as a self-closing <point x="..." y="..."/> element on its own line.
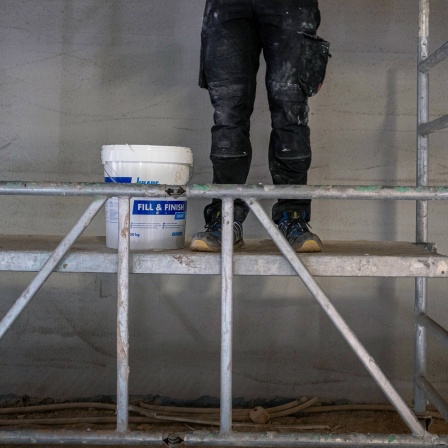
<point x="146" y="153"/>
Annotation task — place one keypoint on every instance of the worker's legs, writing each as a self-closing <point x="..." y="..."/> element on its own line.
<point x="281" y="26"/>
<point x="230" y="55"/>
<point x="230" y="60"/>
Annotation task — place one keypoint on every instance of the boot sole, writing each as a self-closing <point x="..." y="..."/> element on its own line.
<point x="309" y="247"/>
<point x="202" y="246"/>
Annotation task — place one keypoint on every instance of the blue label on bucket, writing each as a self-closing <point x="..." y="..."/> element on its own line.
<point x="118" y="180"/>
<point x="159" y="207"/>
<point x="179" y="215"/>
<point x="146" y="182"/>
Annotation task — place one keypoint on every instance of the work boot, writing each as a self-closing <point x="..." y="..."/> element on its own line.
<point x="295" y="228"/>
<point x="210" y="240"/>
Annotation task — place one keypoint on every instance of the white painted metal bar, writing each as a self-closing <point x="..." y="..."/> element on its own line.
<point x="80" y="437"/>
<point x="226" y="316"/>
<point x="311" y="440"/>
<point x="423" y="117"/>
<point x="50" y="264"/>
<point x="123" y="316"/>
<point x="420" y="349"/>
<point x="422" y="206"/>
<point x="83" y="189"/>
<point x="346" y="192"/>
<point x="207" y="191"/>
<point x="362" y="354"/>
<point x="212" y="438"/>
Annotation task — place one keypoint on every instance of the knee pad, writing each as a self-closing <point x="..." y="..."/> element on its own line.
<point x="230" y="135"/>
<point x="230" y="144"/>
<point x="293" y="149"/>
<point x="228" y="152"/>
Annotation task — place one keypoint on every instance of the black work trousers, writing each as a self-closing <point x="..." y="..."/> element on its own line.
<point x="233" y="35"/>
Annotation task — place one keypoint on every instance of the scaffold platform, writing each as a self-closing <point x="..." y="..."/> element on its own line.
<point x="28" y="253"/>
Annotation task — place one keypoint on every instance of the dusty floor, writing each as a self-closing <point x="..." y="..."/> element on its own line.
<point x="373" y="422"/>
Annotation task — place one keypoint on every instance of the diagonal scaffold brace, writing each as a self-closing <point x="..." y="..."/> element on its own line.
<point x="363" y="355"/>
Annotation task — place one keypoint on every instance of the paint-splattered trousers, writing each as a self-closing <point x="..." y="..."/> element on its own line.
<point x="234" y="34"/>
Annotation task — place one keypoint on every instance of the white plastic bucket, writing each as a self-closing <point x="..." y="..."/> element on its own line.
<point x="154" y="224"/>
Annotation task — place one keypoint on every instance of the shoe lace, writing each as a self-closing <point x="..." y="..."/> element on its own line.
<point x="293" y="227"/>
<point x="214" y="225"/>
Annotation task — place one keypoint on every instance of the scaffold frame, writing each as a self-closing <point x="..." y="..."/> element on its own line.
<point x="422" y="193"/>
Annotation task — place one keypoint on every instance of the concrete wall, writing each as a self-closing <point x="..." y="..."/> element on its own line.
<point x="75" y="75"/>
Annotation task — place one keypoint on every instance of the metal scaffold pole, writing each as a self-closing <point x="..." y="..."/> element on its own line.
<point x="422" y="206"/>
<point x="123" y="316"/>
<point x="226" y="316"/>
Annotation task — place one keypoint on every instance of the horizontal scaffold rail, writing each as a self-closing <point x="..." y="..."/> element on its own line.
<point x="260" y="191"/>
<point x="213" y="438"/>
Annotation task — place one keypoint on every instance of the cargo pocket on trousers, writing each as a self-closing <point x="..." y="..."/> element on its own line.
<point x="315" y="53"/>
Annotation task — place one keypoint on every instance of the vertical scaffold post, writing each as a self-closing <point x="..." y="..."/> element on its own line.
<point x="123" y="316"/>
<point x="422" y="206"/>
<point x="226" y="316"/>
